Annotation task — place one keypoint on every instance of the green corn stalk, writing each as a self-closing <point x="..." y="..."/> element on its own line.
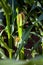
<point x="20" y="32"/>
<point x="19" y="25"/>
<point x="4" y="45"/>
<point x="7" y="11"/>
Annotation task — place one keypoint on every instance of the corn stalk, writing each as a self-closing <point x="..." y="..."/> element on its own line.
<point x="7" y="11"/>
<point x="20" y="32"/>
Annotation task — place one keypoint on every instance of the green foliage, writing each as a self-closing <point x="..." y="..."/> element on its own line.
<point x="27" y="22"/>
<point x="6" y="7"/>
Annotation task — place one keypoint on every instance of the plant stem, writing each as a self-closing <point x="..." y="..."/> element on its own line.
<point x="20" y="31"/>
<point x="7" y="11"/>
<point x="9" y="34"/>
<point x="9" y="31"/>
<point x="10" y="55"/>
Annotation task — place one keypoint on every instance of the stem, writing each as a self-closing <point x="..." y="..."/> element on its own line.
<point x="10" y="55"/>
<point x="19" y="24"/>
<point x="8" y="12"/>
<point x="20" y="31"/>
<point x="9" y="34"/>
<point x="9" y="31"/>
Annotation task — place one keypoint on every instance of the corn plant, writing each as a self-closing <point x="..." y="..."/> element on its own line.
<point x="28" y="25"/>
<point x="7" y="14"/>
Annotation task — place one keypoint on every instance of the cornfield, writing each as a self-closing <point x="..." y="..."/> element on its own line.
<point x="21" y="32"/>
